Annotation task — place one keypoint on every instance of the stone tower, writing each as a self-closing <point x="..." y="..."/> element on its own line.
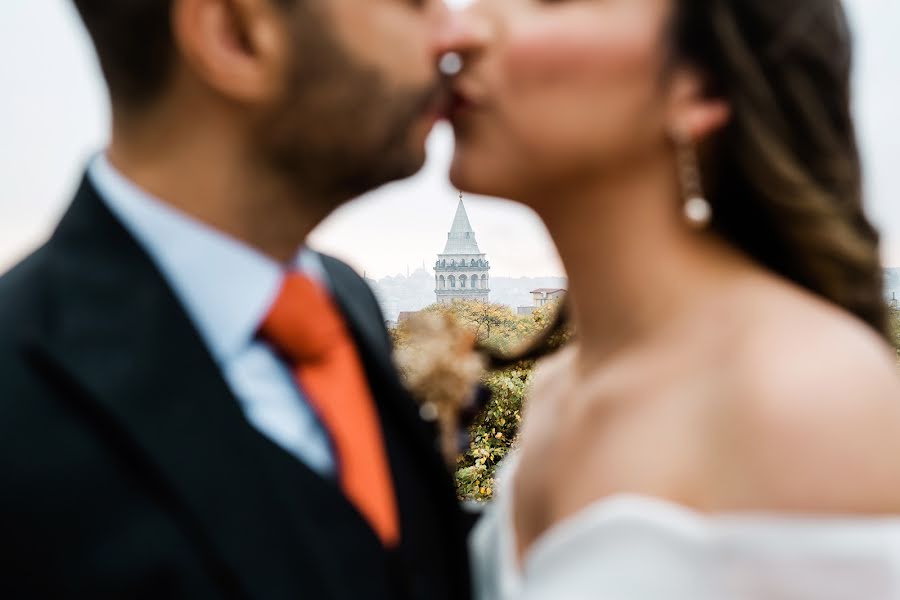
<point x="461" y="271"/>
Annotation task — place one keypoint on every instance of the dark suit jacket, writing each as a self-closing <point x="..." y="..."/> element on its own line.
<point x="127" y="469"/>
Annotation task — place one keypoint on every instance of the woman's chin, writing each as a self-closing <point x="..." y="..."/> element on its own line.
<point x="468" y="176"/>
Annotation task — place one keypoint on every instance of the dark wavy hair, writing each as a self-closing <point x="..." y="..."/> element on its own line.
<point x="784" y="176"/>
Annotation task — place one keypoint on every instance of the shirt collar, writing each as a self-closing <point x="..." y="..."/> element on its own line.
<point x="226" y="286"/>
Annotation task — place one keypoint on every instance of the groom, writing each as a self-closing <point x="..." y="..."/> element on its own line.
<point x="192" y="404"/>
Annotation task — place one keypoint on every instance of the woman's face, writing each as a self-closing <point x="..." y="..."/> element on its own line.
<point x="558" y="90"/>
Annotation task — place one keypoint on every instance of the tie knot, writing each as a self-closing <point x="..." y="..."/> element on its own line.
<point x="303" y="322"/>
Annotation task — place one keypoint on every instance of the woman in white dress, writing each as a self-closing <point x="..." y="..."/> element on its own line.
<point x="726" y="424"/>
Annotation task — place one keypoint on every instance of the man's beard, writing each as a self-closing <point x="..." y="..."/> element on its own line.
<point x="339" y="129"/>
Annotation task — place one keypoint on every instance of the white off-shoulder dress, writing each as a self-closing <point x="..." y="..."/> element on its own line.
<point x="640" y="548"/>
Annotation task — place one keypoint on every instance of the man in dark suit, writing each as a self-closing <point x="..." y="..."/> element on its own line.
<point x="192" y="404"/>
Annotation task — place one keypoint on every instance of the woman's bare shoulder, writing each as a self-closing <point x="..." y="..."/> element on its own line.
<point x="814" y="416"/>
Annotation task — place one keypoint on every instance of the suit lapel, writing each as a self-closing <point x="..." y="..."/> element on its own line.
<point x="121" y="337"/>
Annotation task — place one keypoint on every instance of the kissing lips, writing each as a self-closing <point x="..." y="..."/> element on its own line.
<point x="461" y="103"/>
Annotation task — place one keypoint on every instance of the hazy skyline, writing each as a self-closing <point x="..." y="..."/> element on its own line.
<point x="54" y="117"/>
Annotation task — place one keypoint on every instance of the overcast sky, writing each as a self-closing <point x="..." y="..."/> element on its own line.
<point x="54" y="115"/>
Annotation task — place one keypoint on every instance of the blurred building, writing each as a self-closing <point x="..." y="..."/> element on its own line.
<point x="541" y="297"/>
<point x="461" y="272"/>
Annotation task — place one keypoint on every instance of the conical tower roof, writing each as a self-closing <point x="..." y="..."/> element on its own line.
<point x="461" y="239"/>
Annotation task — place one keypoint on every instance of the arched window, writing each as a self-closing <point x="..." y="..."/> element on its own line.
<point x="462" y="281"/>
<point x="475" y="282"/>
<point x="484" y="281"/>
<point x="442" y="283"/>
<point x="473" y="262"/>
<point x="452" y="281"/>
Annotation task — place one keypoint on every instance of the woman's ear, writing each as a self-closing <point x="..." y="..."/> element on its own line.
<point x="693" y="112"/>
<point x="237" y="48"/>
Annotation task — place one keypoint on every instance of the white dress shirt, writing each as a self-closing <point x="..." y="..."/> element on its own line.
<point x="226" y="288"/>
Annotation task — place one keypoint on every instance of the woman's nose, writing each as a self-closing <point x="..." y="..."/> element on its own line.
<point x="465" y="33"/>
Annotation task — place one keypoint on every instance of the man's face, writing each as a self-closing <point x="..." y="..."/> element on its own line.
<point x="361" y="94"/>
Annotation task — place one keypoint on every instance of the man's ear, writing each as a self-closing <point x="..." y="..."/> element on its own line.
<point x="237" y="48"/>
<point x="693" y="111"/>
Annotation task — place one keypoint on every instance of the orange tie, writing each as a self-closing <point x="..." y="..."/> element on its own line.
<point x="306" y="327"/>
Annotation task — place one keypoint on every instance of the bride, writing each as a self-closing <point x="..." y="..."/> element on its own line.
<point x="726" y="424"/>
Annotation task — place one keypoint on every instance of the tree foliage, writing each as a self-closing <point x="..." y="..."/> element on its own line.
<point x="895" y="329"/>
<point x="494" y="325"/>
<point x="494" y="432"/>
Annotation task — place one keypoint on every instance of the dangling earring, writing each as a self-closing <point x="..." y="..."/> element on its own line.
<point x="696" y="209"/>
